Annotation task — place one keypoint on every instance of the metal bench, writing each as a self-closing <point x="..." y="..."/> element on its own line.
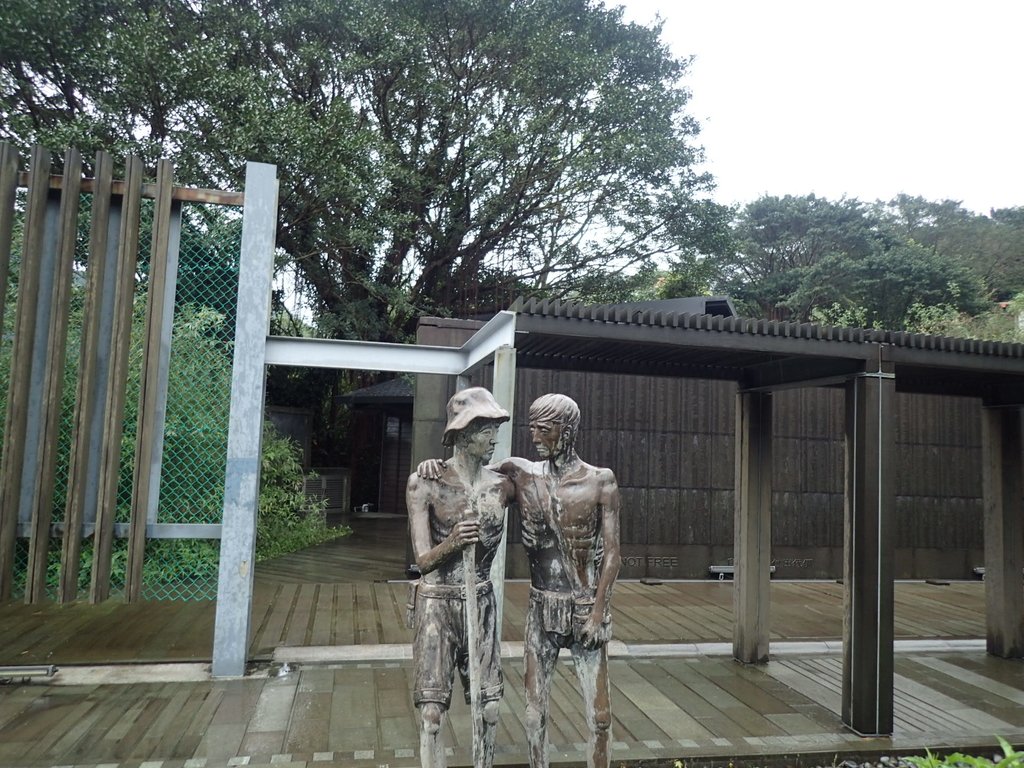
<point x="721" y="571"/>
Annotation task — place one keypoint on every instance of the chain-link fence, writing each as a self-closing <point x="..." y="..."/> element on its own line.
<point x="198" y="401"/>
<point x="199" y="384"/>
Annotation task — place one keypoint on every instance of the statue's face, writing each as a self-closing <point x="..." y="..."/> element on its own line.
<point x="547" y="437"/>
<point x="477" y="440"/>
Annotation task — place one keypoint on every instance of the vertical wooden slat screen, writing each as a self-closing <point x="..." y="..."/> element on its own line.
<point x="87" y="430"/>
<point x="15" y="431"/>
<point x="40" y="331"/>
<point x="114" y="397"/>
<point x="56" y="290"/>
<point x="148" y="426"/>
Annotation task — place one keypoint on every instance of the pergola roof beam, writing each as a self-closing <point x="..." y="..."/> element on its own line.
<point x="401" y="358"/>
<point x="363" y="355"/>
<point x="791" y="372"/>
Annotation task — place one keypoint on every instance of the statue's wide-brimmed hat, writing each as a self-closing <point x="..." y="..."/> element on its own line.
<point x="469" y="404"/>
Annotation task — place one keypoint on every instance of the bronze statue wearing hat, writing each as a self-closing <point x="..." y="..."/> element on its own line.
<point x="570" y="527"/>
<point x="456" y="523"/>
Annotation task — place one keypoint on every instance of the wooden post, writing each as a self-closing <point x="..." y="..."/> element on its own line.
<point x="867" y="695"/>
<point x="113" y="397"/>
<point x="8" y="188"/>
<point x="93" y="371"/>
<point x="15" y="492"/>
<point x="54" y="307"/>
<point x="153" y="384"/>
<point x="752" y="535"/>
<point x="1004" y="532"/>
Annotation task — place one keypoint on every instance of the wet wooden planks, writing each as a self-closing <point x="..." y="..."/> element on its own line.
<point x="374" y="551"/>
<point x="940" y="694"/>
<point x="360" y="613"/>
<point x="661" y="708"/>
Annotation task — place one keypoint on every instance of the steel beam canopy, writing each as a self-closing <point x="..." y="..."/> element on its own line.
<point x="402" y="358"/>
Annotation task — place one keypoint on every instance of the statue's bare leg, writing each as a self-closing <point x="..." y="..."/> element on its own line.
<point x="592" y="672"/>
<point x="490" y="730"/>
<point x="431" y="744"/>
<point x="539" y="662"/>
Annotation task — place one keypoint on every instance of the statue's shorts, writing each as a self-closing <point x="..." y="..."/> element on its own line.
<point x="560" y="617"/>
<point x="440" y="645"/>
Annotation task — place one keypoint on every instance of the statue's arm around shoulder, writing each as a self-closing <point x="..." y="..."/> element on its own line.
<point x="511" y="466"/>
<point x="432" y="469"/>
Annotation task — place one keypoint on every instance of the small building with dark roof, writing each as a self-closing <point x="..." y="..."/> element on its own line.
<point x="381" y="442"/>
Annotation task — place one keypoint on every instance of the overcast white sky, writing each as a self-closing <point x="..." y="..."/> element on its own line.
<point x="863" y="98"/>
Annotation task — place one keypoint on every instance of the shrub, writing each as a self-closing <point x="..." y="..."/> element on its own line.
<point x="287" y="519"/>
<point x="1011" y="759"/>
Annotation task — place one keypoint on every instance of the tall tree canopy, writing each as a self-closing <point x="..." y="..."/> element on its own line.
<point x="992" y="246"/>
<point x="808" y="258"/>
<point x="783" y="244"/>
<point x="433" y="154"/>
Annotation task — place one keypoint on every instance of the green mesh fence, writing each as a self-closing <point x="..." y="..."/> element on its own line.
<point x="198" y="400"/>
<point x="199" y="383"/>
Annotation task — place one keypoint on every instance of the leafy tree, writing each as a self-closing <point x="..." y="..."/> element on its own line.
<point x="992" y="246"/>
<point x="888" y="287"/>
<point x="804" y="258"/>
<point x="708" y="246"/>
<point x="1012" y="217"/>
<point x="785" y="245"/>
<point x="1001" y="321"/>
<point x="1001" y="263"/>
<point x="433" y="156"/>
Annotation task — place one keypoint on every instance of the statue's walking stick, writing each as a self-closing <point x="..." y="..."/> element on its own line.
<point x="473" y="649"/>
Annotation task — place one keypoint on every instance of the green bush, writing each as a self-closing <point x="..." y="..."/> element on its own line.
<point x="287" y="519"/>
<point x="1011" y="759"/>
<point x="177" y="568"/>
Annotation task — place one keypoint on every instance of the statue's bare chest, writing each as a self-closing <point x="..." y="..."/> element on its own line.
<point x="455" y="502"/>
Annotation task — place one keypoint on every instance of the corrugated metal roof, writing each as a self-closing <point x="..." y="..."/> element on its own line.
<point x="758" y="353"/>
<point x="397" y="390"/>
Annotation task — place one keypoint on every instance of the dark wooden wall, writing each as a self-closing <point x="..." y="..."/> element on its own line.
<point x="671" y="444"/>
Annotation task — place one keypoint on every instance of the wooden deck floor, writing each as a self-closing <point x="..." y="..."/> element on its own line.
<point x="287" y="614"/>
<point x="374" y="551"/>
<point x="360" y="714"/>
<point x="337" y="594"/>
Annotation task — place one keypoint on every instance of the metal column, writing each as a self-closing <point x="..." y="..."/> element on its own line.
<point x="867" y="696"/>
<point x="753" y="540"/>
<point x="245" y="422"/>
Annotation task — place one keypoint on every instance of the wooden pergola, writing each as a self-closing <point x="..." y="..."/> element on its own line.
<point x="761" y="357"/>
<point x="871" y="366"/>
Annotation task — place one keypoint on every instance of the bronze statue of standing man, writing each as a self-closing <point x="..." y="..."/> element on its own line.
<point x="570" y="525"/>
<point x="456" y="523"/>
<point x="570" y="522"/>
